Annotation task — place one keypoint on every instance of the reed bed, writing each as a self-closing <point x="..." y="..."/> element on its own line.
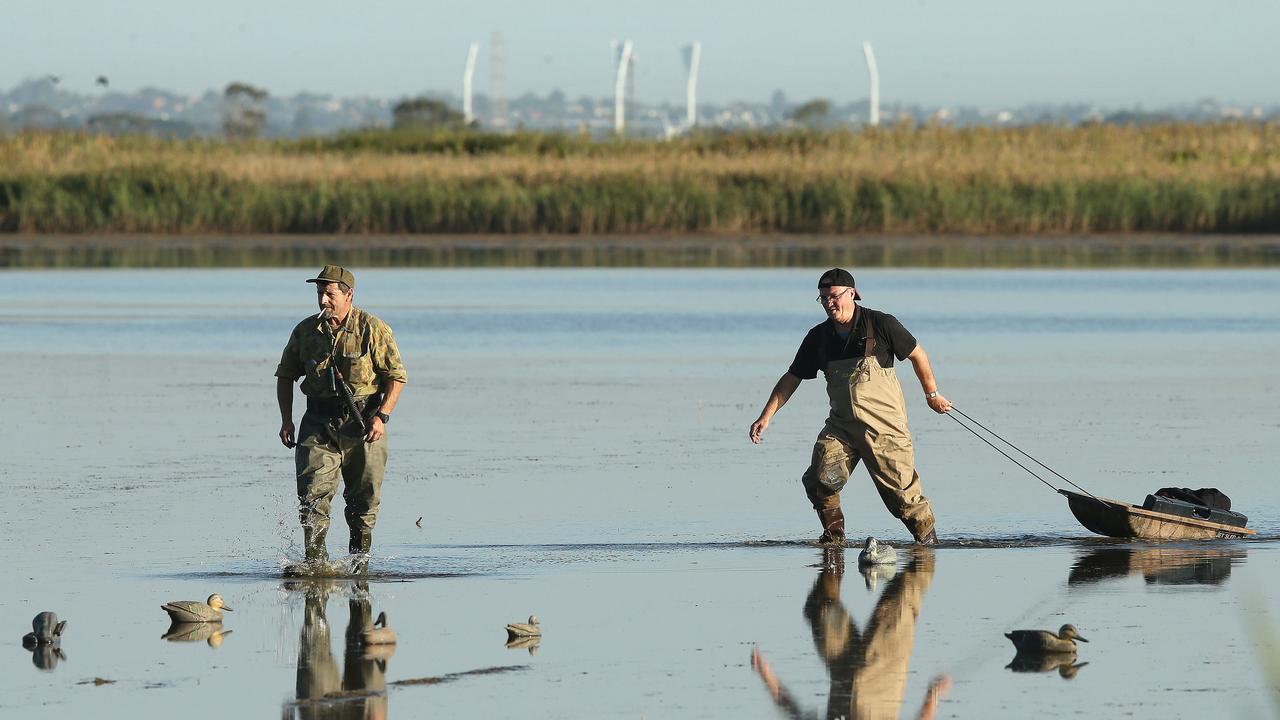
<point x="905" y="180"/>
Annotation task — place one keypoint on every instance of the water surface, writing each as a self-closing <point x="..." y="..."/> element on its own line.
<point x="574" y="442"/>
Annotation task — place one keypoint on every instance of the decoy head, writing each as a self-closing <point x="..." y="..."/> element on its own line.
<point x="215" y="602"/>
<point x="533" y="619"/>
<point x="870" y="544"/>
<point x="382" y="619"/>
<point x="1069" y="632"/>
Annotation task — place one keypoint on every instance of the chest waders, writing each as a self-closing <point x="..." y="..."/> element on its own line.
<point x="330" y="449"/>
<point x="868" y="422"/>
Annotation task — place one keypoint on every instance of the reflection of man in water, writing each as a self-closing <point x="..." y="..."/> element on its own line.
<point x="868" y="669"/>
<point x="855" y="348"/>
<point x="361" y="691"/>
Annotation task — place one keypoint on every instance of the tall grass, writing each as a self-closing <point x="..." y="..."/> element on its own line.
<point x="1042" y="180"/>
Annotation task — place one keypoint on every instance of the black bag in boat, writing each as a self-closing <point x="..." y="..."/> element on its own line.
<point x="1170" y="506"/>
<point x="1209" y="497"/>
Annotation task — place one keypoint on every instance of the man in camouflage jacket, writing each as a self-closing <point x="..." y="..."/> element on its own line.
<point x="339" y="344"/>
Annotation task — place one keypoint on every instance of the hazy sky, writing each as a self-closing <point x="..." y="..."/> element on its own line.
<point x="993" y="53"/>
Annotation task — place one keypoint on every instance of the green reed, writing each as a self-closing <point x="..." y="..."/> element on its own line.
<point x="896" y="181"/>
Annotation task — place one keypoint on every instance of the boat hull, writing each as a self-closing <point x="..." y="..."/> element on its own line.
<point x="1117" y="519"/>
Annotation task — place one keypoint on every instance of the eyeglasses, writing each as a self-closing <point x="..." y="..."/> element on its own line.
<point x="824" y="299"/>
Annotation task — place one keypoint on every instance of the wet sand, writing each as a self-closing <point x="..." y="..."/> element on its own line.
<point x="586" y="460"/>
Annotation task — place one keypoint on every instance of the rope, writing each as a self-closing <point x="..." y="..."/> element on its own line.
<point x="1015" y="447"/>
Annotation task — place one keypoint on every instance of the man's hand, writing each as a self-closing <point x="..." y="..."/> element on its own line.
<point x="376" y="430"/>
<point x="286" y="434"/>
<point x="757" y="429"/>
<point x="939" y="404"/>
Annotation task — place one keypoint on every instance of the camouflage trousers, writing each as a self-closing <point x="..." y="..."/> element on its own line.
<point x="328" y="452"/>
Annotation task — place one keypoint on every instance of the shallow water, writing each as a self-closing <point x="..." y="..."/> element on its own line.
<point x="574" y="442"/>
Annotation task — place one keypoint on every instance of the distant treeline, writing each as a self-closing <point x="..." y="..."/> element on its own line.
<point x="1180" y="178"/>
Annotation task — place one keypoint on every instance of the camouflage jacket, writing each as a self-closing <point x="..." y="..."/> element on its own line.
<point x="364" y="348"/>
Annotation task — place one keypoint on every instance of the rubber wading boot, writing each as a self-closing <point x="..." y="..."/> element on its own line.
<point x="832" y="526"/>
<point x="313" y="542"/>
<point x="359" y="547"/>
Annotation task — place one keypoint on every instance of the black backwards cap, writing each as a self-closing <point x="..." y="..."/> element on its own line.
<point x="839" y="277"/>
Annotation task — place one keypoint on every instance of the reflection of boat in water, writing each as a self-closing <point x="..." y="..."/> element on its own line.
<point x="1114" y="518"/>
<point x="1157" y="565"/>
<point x="867" y="667"/>
<point x="1064" y="663"/>
<point x="359" y="690"/>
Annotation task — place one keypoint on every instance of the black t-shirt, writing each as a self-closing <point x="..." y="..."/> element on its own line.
<point x="822" y="344"/>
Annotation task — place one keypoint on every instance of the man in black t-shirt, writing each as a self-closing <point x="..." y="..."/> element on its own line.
<point x="855" y="349"/>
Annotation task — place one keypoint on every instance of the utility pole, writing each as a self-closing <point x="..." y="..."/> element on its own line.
<point x="620" y="89"/>
<point x="469" y="71"/>
<point x="692" y="57"/>
<point x="874" y="118"/>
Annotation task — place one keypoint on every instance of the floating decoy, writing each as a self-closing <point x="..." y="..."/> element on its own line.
<point x="1043" y="641"/>
<point x="45" y="630"/>
<point x="529" y="629"/>
<point x="876" y="553"/>
<point x="378" y="633"/>
<point x="189" y="611"/>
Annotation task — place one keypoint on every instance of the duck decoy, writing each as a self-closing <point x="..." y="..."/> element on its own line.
<point x="529" y="629"/>
<point x="188" y="611"/>
<point x="877" y="553"/>
<point x="45" y="630"/>
<point x="378" y="633"/>
<point x="1043" y="641"/>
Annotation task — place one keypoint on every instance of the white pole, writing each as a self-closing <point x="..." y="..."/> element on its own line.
<point x="620" y="89"/>
<point x="470" y="70"/>
<point x="875" y="84"/>
<point x="692" y="56"/>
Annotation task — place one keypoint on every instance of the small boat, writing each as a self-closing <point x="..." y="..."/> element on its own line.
<point x="1114" y="518"/>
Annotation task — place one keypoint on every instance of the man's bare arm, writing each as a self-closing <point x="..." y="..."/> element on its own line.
<point x="284" y="398"/>
<point x="390" y="396"/>
<point x="782" y="392"/>
<point x="920" y="363"/>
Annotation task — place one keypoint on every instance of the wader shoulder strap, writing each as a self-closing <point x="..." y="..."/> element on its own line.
<point x="869" y="349"/>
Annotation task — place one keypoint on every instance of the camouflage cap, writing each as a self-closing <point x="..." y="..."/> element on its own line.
<point x="332" y="274"/>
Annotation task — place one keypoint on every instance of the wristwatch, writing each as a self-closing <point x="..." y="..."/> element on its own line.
<point x="385" y="418"/>
<point x="927" y="396"/>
